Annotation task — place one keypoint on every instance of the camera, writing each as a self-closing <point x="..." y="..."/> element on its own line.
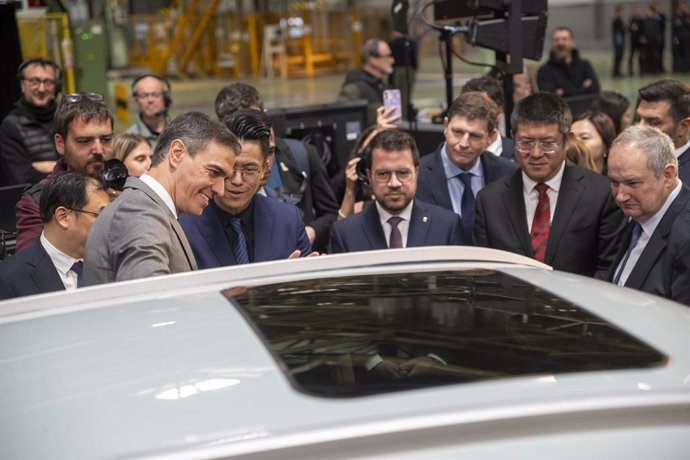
<point x="115" y="174"/>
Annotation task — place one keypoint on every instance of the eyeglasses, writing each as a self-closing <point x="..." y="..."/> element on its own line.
<point x="247" y="174"/>
<point x="156" y="95"/>
<point x="92" y="213"/>
<point x="76" y="97"/>
<point x="383" y="176"/>
<point x="547" y="147"/>
<point x="36" y="82"/>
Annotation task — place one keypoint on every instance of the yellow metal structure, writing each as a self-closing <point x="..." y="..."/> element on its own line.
<point x="48" y="36"/>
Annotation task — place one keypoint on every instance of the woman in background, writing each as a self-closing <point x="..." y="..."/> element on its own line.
<point x="616" y="106"/>
<point x="596" y="131"/>
<point x="134" y="151"/>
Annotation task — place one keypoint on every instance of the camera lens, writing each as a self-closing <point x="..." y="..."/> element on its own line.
<point x="115" y="174"/>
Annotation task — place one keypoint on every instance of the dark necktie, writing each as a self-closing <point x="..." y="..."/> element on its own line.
<point x="396" y="236"/>
<point x="78" y="268"/>
<point x="541" y="223"/>
<point x="636" y="233"/>
<point x="239" y="246"/>
<point x="467" y="205"/>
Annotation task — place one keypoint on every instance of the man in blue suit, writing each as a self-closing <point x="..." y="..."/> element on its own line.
<point x="68" y="206"/>
<point x="463" y="159"/>
<point x="396" y="219"/>
<point x="655" y="255"/>
<point x="241" y="226"/>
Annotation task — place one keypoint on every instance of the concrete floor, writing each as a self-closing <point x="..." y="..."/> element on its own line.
<point x="199" y="94"/>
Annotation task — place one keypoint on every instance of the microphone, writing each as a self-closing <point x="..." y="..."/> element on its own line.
<point x="388" y="71"/>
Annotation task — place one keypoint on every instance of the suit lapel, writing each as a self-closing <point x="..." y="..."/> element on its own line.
<point x="135" y="182"/>
<point x="627" y="236"/>
<point x="263" y="230"/>
<point x="566" y="205"/>
<point x="371" y="226"/>
<point x="438" y="182"/>
<point x="657" y="242"/>
<point x="211" y="229"/>
<point x="43" y="272"/>
<point x="420" y="223"/>
<point x="515" y="210"/>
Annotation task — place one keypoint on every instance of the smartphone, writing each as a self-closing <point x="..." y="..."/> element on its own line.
<point x="391" y="98"/>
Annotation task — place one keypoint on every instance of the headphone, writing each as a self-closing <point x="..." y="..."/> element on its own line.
<point x="42" y="62"/>
<point x="167" y="100"/>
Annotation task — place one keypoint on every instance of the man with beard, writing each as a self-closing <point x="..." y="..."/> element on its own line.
<point x="27" y="151"/>
<point x="665" y="105"/>
<point x="395" y="219"/>
<point x="83" y="140"/>
<point x="565" y="74"/>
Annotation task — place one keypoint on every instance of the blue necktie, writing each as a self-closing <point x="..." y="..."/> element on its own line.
<point x="78" y="268"/>
<point x="239" y="246"/>
<point x="636" y="233"/>
<point x="467" y="205"/>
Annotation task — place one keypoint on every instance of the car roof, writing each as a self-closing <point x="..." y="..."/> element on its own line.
<point x="153" y="366"/>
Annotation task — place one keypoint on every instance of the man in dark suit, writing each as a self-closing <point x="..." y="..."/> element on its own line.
<point x="138" y="235"/>
<point x="396" y="219"/>
<point x="69" y="206"/>
<point x="655" y="255"/>
<point x="462" y="159"/>
<point x="551" y="210"/>
<point x="241" y="226"/>
<point x="665" y="105"/>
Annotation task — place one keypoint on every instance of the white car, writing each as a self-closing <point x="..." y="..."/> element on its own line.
<point x="444" y="352"/>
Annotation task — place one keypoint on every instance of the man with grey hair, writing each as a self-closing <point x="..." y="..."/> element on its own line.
<point x="551" y="210"/>
<point x="368" y="82"/>
<point x="138" y="235"/>
<point x="655" y="255"/>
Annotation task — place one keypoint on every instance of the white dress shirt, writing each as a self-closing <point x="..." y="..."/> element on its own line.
<point x="682" y="149"/>
<point x="496" y="147"/>
<point x="160" y="191"/>
<point x="63" y="263"/>
<point x="648" y="228"/>
<point x="403" y="226"/>
<point x="531" y="195"/>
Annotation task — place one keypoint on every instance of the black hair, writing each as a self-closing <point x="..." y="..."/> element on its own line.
<point x="673" y="91"/>
<point x="542" y="108"/>
<point x="392" y="140"/>
<point x="614" y="105"/>
<point x="67" y="189"/>
<point x="249" y="126"/>
<point x="488" y="85"/>
<point x="85" y="108"/>
<point x="195" y="130"/>
<point x="237" y="96"/>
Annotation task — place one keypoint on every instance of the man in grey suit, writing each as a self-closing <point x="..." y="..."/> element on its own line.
<point x="550" y="210"/>
<point x="655" y="255"/>
<point x="138" y="235"/>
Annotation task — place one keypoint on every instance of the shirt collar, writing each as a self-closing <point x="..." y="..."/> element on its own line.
<point x="554" y="183"/>
<point x="452" y="170"/>
<point x="384" y="215"/>
<point x="63" y="263"/>
<point x="158" y="188"/>
<point x="682" y="149"/>
<point x="496" y="147"/>
<point x="651" y="224"/>
<point x="245" y="216"/>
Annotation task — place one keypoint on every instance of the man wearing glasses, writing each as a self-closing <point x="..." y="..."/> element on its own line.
<point x="241" y="226"/>
<point x="551" y="210"/>
<point x="152" y="94"/>
<point x="395" y="219"/>
<point x="369" y="81"/>
<point x="69" y="206"/>
<point x="83" y="140"/>
<point x="27" y="152"/>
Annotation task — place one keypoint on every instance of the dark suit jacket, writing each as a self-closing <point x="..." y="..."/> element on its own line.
<point x="432" y="185"/>
<point x="585" y="228"/>
<point x="684" y="167"/>
<point x="664" y="266"/>
<point x="29" y="272"/>
<point x="429" y="226"/>
<point x="314" y="195"/>
<point x="278" y="231"/>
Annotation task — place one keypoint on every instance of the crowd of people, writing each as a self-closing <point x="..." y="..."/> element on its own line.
<point x="592" y="194"/>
